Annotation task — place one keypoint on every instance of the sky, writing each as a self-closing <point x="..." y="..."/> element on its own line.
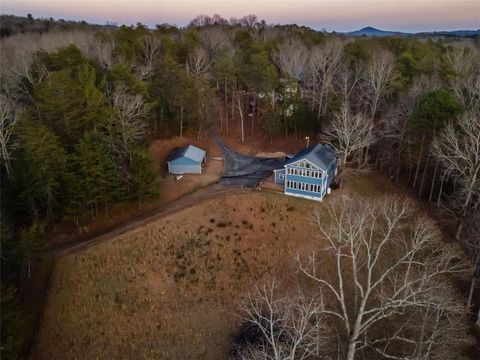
<point x="337" y="15"/>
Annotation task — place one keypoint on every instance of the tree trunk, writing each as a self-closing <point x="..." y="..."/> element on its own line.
<point x="226" y="105"/>
<point x="470" y="293"/>
<point x="422" y="181"/>
<point x="442" y="179"/>
<point x="352" y="342"/>
<point x="419" y="161"/>
<point x="241" y="119"/>
<point x="463" y="214"/>
<point x="181" y="121"/>
<point x="365" y="159"/>
<point x="433" y="181"/>
<point x="409" y="165"/>
<point x="233" y="103"/>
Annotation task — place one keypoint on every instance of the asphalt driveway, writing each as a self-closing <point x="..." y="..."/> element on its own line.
<point x="247" y="171"/>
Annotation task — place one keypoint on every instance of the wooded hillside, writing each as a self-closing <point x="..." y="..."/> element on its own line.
<point x="80" y="103"/>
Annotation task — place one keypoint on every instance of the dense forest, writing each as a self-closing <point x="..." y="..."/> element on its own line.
<point x="80" y="103"/>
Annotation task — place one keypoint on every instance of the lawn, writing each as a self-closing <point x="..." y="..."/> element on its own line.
<point x="171" y="288"/>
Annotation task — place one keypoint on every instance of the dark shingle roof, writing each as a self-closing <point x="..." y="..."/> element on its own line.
<point x="320" y="155"/>
<point x="190" y="152"/>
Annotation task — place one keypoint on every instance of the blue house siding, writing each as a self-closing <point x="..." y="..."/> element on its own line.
<point x="279" y="176"/>
<point x="309" y="173"/>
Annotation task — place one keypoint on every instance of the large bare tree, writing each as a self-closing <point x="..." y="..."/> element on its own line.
<point x="458" y="150"/>
<point x="376" y="79"/>
<point x="198" y="64"/>
<point x="291" y="58"/>
<point x="151" y="47"/>
<point x="131" y="113"/>
<point x="287" y="327"/>
<point x="388" y="278"/>
<point x="324" y="61"/>
<point x="465" y="78"/>
<point x="215" y="40"/>
<point x="349" y="132"/>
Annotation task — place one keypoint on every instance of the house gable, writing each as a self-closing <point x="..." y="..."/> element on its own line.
<point x="310" y="172"/>
<point x="298" y="163"/>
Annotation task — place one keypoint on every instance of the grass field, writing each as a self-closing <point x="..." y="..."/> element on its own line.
<point x="171" y="289"/>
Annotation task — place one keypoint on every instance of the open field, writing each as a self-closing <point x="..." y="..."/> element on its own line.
<point x="171" y="288"/>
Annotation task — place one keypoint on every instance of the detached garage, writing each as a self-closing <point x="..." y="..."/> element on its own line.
<point x="186" y="160"/>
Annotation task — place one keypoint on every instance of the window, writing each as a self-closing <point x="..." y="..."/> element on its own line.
<point x="307" y="165"/>
<point x="302" y="164"/>
<point x="282" y="176"/>
<point x="307" y="173"/>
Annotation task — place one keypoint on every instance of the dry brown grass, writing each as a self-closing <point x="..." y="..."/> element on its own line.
<point x="171" y="289"/>
<point x="171" y="189"/>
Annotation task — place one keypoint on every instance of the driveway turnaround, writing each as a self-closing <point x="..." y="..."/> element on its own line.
<point x="242" y="170"/>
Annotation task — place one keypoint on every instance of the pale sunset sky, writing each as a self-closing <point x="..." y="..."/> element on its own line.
<point x="338" y="15"/>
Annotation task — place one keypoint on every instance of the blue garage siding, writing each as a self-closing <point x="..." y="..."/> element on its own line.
<point x="186" y="160"/>
<point x="184" y="166"/>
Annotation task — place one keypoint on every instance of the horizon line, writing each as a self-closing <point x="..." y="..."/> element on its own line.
<point x="186" y="24"/>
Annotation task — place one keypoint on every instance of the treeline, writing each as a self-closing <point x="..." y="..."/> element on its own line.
<point x="79" y="104"/>
<point x="12" y="25"/>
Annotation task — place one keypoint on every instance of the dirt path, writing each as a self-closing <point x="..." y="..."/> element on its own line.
<point x="205" y="193"/>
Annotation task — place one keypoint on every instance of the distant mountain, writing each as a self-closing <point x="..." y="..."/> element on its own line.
<point x="373" y="32"/>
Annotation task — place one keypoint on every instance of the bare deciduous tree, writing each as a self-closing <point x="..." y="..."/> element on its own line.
<point x="198" y="64"/>
<point x="215" y="40"/>
<point x="376" y="80"/>
<point x="472" y="247"/>
<point x="8" y="121"/>
<point x="458" y="150"/>
<point x="291" y="58"/>
<point x="388" y="266"/>
<point x="465" y="80"/>
<point x="289" y="327"/>
<point x="150" y="49"/>
<point x="132" y="111"/>
<point x="324" y="61"/>
<point x="348" y="133"/>
<point x="102" y="51"/>
<point x="394" y="124"/>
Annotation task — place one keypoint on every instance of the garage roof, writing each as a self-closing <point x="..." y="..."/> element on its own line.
<point x="190" y="152"/>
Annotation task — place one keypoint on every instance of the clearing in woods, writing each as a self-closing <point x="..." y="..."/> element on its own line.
<point x="171" y="289"/>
